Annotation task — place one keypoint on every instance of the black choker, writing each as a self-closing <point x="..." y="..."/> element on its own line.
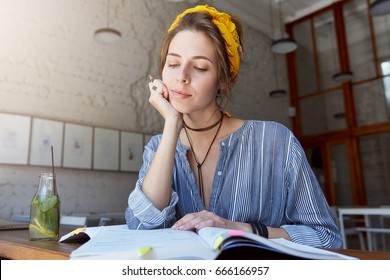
<point x="205" y="128"/>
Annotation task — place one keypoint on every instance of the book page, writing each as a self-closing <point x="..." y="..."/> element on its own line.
<point x="120" y="243"/>
<point x="308" y="251"/>
<point x="213" y="236"/>
<point x="219" y="238"/>
<point x="80" y="234"/>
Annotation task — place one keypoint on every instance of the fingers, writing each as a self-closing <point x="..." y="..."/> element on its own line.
<point x="188" y="222"/>
<point x="156" y="86"/>
<point x="199" y="220"/>
<point x="159" y="99"/>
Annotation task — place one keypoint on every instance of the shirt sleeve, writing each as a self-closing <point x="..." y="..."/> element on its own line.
<point x="310" y="219"/>
<point x="140" y="212"/>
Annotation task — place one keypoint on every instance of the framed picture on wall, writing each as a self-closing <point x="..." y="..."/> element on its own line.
<point x="131" y="151"/>
<point x="14" y="138"/>
<point x="77" y="146"/>
<point x="106" y="149"/>
<point x="46" y="134"/>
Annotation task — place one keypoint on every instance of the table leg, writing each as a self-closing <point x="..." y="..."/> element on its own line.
<point x="369" y="236"/>
<point x="342" y="230"/>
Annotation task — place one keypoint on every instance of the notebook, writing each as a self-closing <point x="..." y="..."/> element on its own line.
<point x="10" y="225"/>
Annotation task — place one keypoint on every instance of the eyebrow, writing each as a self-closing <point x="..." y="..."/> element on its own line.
<point x="194" y="57"/>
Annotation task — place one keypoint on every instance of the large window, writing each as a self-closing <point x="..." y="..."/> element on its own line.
<point x="370" y="102"/>
<point x="347" y="120"/>
<point x="375" y="151"/>
<point x="322" y="113"/>
<point x="358" y="35"/>
<point x="385" y="66"/>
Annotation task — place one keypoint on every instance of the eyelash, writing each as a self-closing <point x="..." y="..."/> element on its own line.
<point x="200" y="69"/>
<point x="197" y="68"/>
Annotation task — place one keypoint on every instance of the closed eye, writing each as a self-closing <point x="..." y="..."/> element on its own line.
<point x="200" y="69"/>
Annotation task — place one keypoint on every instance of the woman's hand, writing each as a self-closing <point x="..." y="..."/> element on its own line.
<point x="194" y="221"/>
<point x="201" y="219"/>
<point x="159" y="98"/>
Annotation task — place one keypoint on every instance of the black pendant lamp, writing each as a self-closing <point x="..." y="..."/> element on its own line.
<point x="284" y="44"/>
<point x="380" y="7"/>
<point x="278" y="92"/>
<point x="341" y="76"/>
<point x="107" y="35"/>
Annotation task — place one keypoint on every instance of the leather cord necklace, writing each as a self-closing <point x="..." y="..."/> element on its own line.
<point x="198" y="163"/>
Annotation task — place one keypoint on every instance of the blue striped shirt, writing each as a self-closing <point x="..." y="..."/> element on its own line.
<point x="262" y="175"/>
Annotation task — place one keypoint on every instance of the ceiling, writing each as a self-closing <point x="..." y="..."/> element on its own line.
<point x="259" y="15"/>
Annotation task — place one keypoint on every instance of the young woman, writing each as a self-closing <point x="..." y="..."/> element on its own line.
<point x="209" y="169"/>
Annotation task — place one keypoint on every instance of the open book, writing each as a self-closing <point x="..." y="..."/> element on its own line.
<point x="118" y="242"/>
<point x="81" y="235"/>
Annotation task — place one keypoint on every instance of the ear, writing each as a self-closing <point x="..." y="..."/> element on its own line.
<point x="221" y="87"/>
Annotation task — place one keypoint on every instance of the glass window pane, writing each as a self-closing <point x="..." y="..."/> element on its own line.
<point x="375" y="158"/>
<point x="314" y="156"/>
<point x="382" y="35"/>
<point x="326" y="44"/>
<point x="385" y="66"/>
<point x="372" y="102"/>
<point x="357" y="27"/>
<point x="340" y="175"/>
<point x="323" y="113"/>
<point x="306" y="72"/>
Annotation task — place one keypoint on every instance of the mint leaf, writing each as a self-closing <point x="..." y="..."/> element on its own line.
<point x="48" y="203"/>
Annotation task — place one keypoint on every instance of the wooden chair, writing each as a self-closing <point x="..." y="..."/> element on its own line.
<point x="73" y="221"/>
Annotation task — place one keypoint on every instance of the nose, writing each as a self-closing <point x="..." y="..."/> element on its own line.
<point x="183" y="77"/>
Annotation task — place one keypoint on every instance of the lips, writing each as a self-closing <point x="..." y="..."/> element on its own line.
<point x="180" y="94"/>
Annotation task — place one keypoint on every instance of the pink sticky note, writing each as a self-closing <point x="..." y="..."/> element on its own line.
<point x="235" y="233"/>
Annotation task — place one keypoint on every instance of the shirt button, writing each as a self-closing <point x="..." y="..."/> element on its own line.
<point x="219" y="173"/>
<point x="223" y="144"/>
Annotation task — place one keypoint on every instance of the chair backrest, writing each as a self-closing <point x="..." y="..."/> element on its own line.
<point x="105" y="221"/>
<point x="335" y="215"/>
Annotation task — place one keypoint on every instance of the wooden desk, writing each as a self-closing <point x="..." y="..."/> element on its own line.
<point x="14" y="244"/>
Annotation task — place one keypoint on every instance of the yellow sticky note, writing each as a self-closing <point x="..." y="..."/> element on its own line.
<point x="144" y="250"/>
<point x="218" y="241"/>
<point x="78" y="230"/>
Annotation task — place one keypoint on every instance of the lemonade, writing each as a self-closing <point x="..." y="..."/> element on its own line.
<point x="45" y="210"/>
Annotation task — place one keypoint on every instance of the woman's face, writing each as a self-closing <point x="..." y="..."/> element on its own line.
<point x="190" y="72"/>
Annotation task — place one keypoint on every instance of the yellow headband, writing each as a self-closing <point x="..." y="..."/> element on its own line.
<point x="228" y="31"/>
